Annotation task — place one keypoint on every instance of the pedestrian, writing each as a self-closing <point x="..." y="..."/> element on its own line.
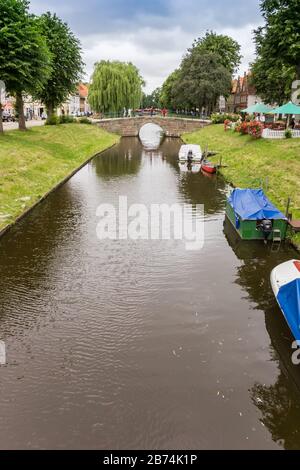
<point x="293" y="123"/>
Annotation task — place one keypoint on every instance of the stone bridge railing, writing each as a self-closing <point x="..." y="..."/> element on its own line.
<point x="172" y="126"/>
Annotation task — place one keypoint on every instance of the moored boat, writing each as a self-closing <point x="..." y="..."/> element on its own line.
<point x="208" y="167"/>
<point x="190" y="153"/>
<point x="285" y="281"/>
<point x="254" y="217"/>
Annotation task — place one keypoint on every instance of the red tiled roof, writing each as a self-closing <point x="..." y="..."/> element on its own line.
<point x="83" y="90"/>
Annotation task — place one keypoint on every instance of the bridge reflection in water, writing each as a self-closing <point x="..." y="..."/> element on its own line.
<point x="151" y="136"/>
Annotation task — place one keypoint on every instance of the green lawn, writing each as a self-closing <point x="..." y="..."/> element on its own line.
<point x="33" y="162"/>
<point x="249" y="161"/>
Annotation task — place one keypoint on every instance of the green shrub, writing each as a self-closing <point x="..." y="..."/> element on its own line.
<point x="52" y="121"/>
<point x="288" y="134"/>
<point x="84" y="120"/>
<point x="66" y="119"/>
<point x="221" y="118"/>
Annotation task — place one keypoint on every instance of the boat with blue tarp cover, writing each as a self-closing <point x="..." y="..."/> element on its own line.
<point x="254" y="216"/>
<point x="285" y="280"/>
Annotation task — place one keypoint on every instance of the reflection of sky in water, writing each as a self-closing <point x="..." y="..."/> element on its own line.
<point x="151" y="136"/>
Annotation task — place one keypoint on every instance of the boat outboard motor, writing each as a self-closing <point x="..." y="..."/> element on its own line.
<point x="190" y="156"/>
<point x="266" y="227"/>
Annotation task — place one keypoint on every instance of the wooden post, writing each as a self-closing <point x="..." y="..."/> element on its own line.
<point x="288" y="207"/>
<point x="267" y="183"/>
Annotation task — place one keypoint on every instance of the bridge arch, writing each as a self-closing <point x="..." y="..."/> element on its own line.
<point x="151" y="136"/>
<point x="172" y="126"/>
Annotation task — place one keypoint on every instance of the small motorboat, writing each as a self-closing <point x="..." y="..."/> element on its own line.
<point x="285" y="281"/>
<point x="208" y="167"/>
<point x="190" y="153"/>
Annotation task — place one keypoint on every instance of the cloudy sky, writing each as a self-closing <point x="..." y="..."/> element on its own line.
<point x="153" y="34"/>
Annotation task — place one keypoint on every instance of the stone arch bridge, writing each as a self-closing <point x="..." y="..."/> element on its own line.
<point x="172" y="126"/>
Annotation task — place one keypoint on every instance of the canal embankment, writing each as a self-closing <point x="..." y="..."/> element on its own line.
<point x="248" y="162"/>
<point x="34" y="163"/>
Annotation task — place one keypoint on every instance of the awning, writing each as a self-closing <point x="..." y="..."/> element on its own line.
<point x="253" y="204"/>
<point x="260" y="108"/>
<point x="288" y="108"/>
<point x="289" y="301"/>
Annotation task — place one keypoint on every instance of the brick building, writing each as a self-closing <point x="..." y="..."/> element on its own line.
<point x="243" y="94"/>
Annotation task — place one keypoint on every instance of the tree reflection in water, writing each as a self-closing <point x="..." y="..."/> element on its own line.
<point x="121" y="160"/>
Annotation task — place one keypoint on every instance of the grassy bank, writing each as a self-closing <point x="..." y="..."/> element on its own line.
<point x="33" y="162"/>
<point x="249" y="161"/>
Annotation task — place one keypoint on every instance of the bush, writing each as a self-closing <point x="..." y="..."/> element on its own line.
<point x="244" y="127"/>
<point x="221" y="118"/>
<point x="52" y="121"/>
<point x="238" y="127"/>
<point x="227" y="125"/>
<point x="66" y="119"/>
<point x="84" y="120"/>
<point x="288" y="134"/>
<point x="255" y="129"/>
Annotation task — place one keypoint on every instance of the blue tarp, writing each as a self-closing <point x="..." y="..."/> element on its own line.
<point x="252" y="204"/>
<point x="289" y="301"/>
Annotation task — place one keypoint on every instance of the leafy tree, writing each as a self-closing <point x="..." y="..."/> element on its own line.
<point x="282" y="31"/>
<point x="24" y="55"/>
<point x="227" y="49"/>
<point x="152" y="100"/>
<point x="272" y="79"/>
<point x="114" y="86"/>
<point x="66" y="63"/>
<point x="201" y="81"/>
<point x="167" y="95"/>
<point x="278" y="50"/>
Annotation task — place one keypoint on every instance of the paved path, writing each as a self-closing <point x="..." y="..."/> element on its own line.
<point x="14" y="125"/>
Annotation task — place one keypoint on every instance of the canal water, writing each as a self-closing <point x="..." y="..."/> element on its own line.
<point x="141" y="344"/>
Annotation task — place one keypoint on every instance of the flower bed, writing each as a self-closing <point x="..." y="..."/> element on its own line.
<point x="221" y="118"/>
<point x="227" y="124"/>
<point x="255" y="129"/>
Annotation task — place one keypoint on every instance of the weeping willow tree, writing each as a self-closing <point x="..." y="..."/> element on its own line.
<point x="115" y="86"/>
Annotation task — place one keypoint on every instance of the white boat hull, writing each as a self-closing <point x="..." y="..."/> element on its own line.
<point x="190" y="153"/>
<point x="284" y="274"/>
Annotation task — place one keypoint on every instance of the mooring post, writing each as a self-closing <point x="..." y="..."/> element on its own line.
<point x="288" y="207"/>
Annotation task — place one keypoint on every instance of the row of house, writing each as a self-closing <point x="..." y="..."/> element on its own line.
<point x="76" y="104"/>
